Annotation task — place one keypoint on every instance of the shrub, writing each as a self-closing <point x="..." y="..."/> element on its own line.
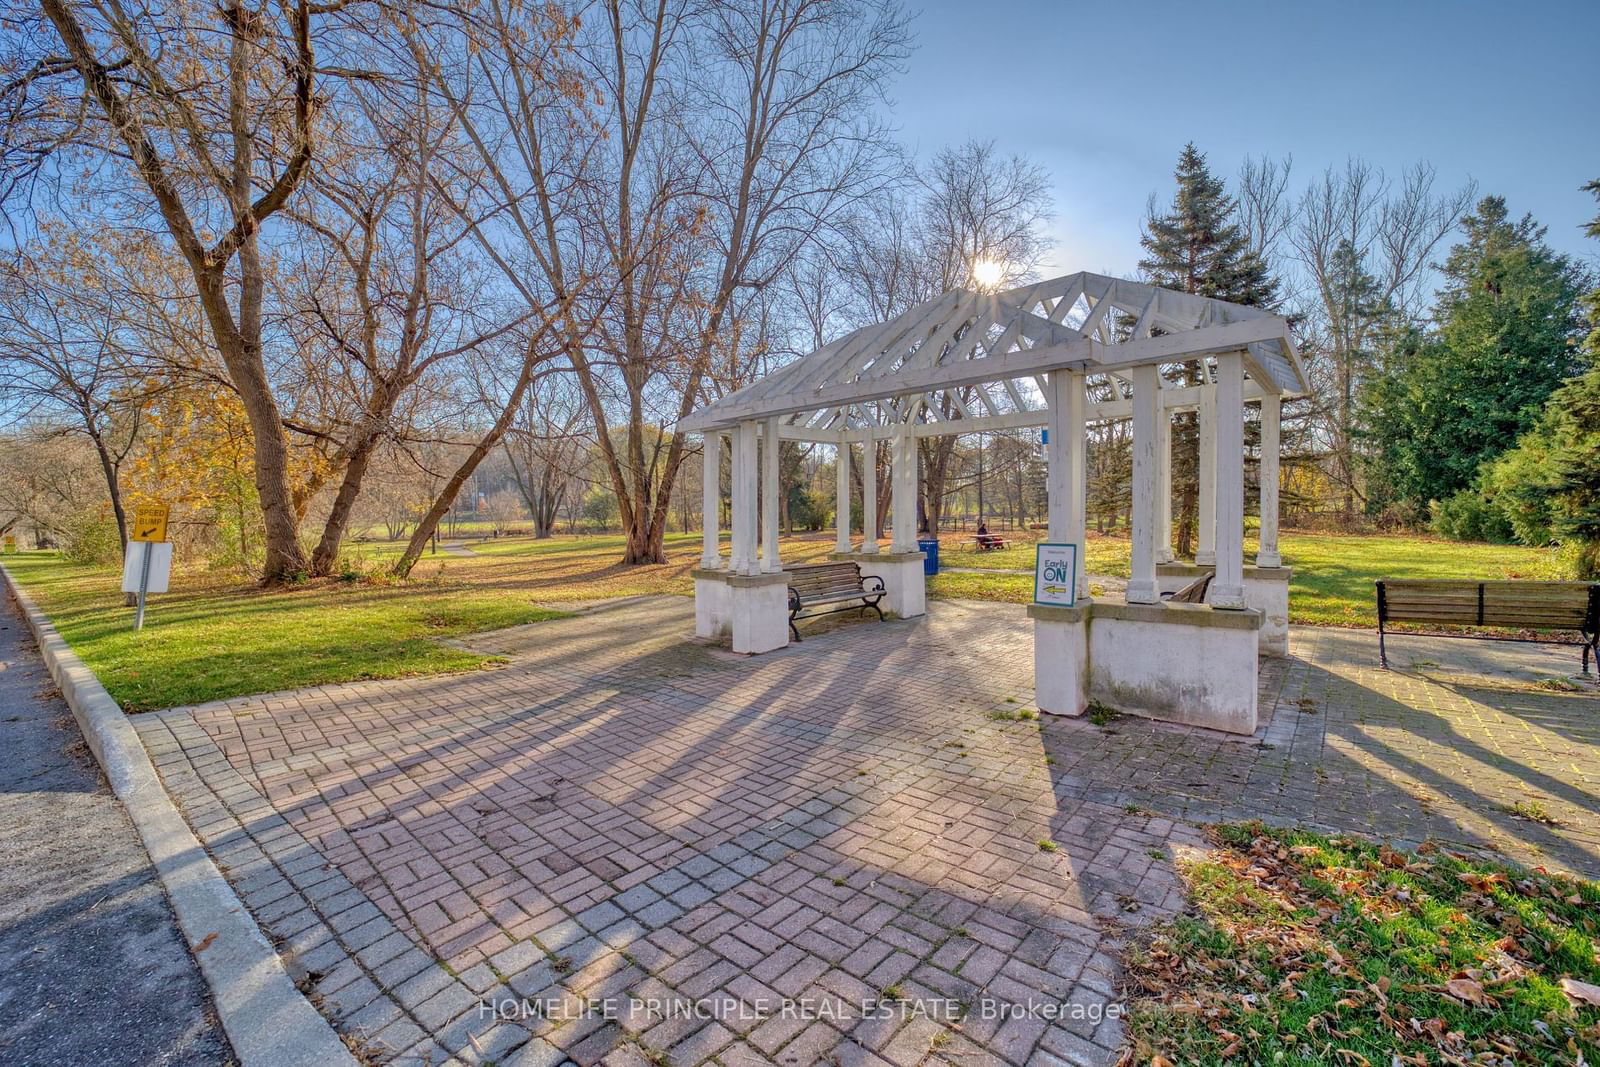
<point x="808" y="510"/>
<point x="91" y="537"/>
<point x="1470" y="516"/>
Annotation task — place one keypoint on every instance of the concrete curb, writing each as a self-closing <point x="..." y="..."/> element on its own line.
<point x="268" y="1021"/>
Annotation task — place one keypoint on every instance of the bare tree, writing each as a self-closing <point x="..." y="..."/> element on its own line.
<point x="1265" y="207"/>
<point x="1366" y="245"/>
<point x="975" y="205"/>
<point x="64" y="364"/>
<point x="545" y="447"/>
<point x="384" y="300"/>
<point x="215" y="110"/>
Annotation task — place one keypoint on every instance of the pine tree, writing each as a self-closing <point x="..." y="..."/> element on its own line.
<point x="1199" y="247"/>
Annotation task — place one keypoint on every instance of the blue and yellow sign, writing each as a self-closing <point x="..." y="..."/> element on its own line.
<point x="1055" y="574"/>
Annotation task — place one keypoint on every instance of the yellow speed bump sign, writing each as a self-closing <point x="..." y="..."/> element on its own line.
<point x="150" y="522"/>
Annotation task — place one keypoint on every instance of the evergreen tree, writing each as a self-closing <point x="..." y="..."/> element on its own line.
<point x="1506" y="329"/>
<point x="1198" y="246"/>
<point x="1553" y="474"/>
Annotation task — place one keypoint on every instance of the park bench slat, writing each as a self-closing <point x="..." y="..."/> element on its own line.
<point x="1500" y="603"/>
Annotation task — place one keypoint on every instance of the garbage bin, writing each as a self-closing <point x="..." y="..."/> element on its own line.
<point x="930" y="565"/>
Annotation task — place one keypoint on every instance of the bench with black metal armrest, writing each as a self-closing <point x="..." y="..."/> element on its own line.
<point x="835" y="586"/>
<point x="1511" y="605"/>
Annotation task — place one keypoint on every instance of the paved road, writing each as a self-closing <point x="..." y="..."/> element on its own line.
<point x="92" y="967"/>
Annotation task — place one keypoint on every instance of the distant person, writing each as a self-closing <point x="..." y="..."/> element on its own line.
<point x="985" y="539"/>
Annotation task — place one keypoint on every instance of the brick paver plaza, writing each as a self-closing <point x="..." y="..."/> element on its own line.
<point x="749" y="855"/>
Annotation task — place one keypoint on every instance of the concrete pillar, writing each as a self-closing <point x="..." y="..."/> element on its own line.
<point x="903" y="501"/>
<point x="869" y="495"/>
<point x="1164" y="485"/>
<point x="743" y="558"/>
<point x="1077" y="436"/>
<point x="1142" y="587"/>
<point x="711" y="501"/>
<point x="1205" y="552"/>
<point x="770" y="563"/>
<point x="1067" y="491"/>
<point x="1058" y="483"/>
<point x="1267" y="553"/>
<point x="841" y="497"/>
<point x="1227" y="588"/>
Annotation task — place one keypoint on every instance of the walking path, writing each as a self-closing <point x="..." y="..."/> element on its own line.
<point x="622" y="813"/>
<point x="92" y="967"/>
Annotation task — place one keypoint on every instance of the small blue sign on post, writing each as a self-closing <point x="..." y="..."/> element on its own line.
<point x="1055" y="574"/>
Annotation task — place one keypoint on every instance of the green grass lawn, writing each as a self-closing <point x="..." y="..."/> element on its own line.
<point x="1333" y="576"/>
<point x="217" y="636"/>
<point x="211" y="639"/>
<point x="1303" y="948"/>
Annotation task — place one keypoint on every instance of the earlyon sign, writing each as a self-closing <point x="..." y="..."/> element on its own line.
<point x="1055" y="574"/>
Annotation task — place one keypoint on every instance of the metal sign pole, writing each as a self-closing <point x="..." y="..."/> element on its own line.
<point x="144" y="583"/>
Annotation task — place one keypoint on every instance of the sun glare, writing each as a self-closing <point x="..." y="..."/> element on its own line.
<point x="987" y="273"/>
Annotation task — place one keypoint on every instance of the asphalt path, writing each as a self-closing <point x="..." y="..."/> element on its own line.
<point x="93" y="969"/>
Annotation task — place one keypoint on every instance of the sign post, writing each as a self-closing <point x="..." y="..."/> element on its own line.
<point x="149" y="532"/>
<point x="1055" y="574"/>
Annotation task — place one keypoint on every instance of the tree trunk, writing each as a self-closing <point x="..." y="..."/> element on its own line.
<point x="285" y="559"/>
<point x="326" y="554"/>
<point x="109" y="470"/>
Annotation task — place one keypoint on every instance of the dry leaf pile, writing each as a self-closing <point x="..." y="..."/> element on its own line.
<point x="1303" y="948"/>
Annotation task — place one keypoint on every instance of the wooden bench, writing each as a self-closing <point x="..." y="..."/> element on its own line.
<point x="1572" y="606"/>
<point x="822" y="584"/>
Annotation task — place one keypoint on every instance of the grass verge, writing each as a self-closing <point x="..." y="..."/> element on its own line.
<point x="1305" y="948"/>
<point x="1332" y="583"/>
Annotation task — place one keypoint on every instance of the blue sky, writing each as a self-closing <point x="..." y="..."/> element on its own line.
<point x="1104" y="94"/>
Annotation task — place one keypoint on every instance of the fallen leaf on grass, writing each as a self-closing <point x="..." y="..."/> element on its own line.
<point x="1581" y="992"/>
<point x="1466" y="989"/>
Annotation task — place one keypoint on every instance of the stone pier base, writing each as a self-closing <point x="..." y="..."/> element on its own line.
<point x="751" y="609"/>
<point x="1188" y="663"/>
<point x="1061" y="657"/>
<point x="713" y="612"/>
<point x="1266" y="589"/>
<point x="905" y="586"/>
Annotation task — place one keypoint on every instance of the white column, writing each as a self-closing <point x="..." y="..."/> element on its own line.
<point x="869" y="494"/>
<point x="1064" y="465"/>
<point x="903" y="499"/>
<point x="1227" y="588"/>
<point x="841" y="497"/>
<point x="1058" y="482"/>
<point x="743" y="559"/>
<point x="1205" y="553"/>
<point x="769" y="497"/>
<point x="711" y="501"/>
<point x="1146" y="406"/>
<point x="1267" y="553"/>
<point x="1077" y="439"/>
<point x="1164" y="485"/>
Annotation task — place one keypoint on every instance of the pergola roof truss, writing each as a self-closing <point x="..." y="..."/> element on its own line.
<point x="967" y="361"/>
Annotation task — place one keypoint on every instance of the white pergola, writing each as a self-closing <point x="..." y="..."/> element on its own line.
<point x="1057" y="354"/>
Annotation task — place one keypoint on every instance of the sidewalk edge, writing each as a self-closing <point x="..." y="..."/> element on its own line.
<point x="268" y="1020"/>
